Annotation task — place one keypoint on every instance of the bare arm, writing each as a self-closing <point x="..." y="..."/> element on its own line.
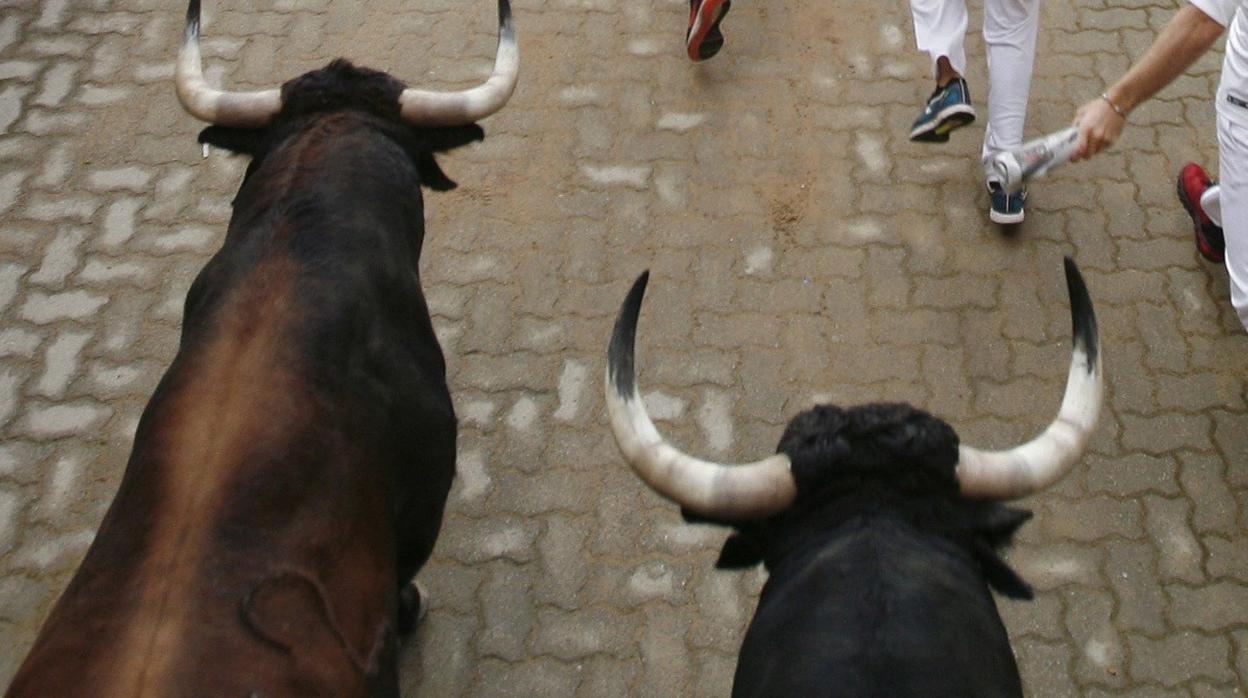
<point x="1183" y="40"/>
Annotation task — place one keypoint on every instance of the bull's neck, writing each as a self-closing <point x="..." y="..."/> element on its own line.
<point x="335" y="177"/>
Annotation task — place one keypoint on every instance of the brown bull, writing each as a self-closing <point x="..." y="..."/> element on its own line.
<point x="289" y="474"/>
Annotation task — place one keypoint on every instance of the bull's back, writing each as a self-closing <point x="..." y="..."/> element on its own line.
<point x="250" y="550"/>
<point x="879" y="610"/>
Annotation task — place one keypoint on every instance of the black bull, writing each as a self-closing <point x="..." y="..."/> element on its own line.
<point x="877" y="528"/>
<point x="289" y="474"/>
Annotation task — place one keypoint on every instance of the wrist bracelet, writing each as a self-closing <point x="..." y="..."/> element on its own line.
<point x="1117" y="109"/>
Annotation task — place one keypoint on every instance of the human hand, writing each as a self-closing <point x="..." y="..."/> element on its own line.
<point x="1099" y="126"/>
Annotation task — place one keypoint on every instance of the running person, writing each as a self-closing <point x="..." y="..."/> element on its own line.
<point x="1185" y="38"/>
<point x="1010" y="28"/>
<point x="703" y="38"/>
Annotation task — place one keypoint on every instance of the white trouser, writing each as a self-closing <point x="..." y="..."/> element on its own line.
<point x="1010" y="28"/>
<point x="1233" y="183"/>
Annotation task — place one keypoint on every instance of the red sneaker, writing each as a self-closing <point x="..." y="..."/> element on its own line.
<point x="703" y="39"/>
<point x="1193" y="181"/>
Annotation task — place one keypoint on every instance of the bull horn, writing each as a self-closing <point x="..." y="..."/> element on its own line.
<point x="712" y="490"/>
<point x="237" y="109"/>
<point x="433" y="109"/>
<point x="1042" y="461"/>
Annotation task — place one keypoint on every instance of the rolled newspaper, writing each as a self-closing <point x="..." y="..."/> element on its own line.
<point x="1033" y="158"/>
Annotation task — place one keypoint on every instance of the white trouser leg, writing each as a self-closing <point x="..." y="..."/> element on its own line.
<point x="940" y="29"/>
<point x="1211" y="204"/>
<point x="1010" y="28"/>
<point x="1233" y="180"/>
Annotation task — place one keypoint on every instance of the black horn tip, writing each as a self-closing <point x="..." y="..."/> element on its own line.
<point x="623" y="339"/>
<point x="1082" y="316"/>
<point x="192" y="17"/>
<point x="504" y="14"/>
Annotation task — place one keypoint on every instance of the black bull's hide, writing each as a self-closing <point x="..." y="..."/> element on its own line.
<point x="289" y="474"/>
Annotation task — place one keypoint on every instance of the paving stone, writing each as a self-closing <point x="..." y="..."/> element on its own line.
<point x="1233" y="443"/>
<point x="1040" y="618"/>
<point x="665" y="660"/>
<point x="1180" y="658"/>
<point x="509" y="617"/>
<point x="1131" y="570"/>
<point x="11" y="106"/>
<point x="1167" y="432"/>
<point x="187" y="239"/>
<point x="79" y="208"/>
<point x="43" y="554"/>
<point x="59" y="259"/>
<point x="18" y="341"/>
<point x="1201" y="689"/>
<point x="63" y="46"/>
<point x="1226" y="558"/>
<point x="64" y="419"/>
<point x="1088" y="620"/>
<point x="97" y="96"/>
<point x="1180" y="553"/>
<point x="41" y="122"/>
<point x="1241" y="660"/>
<point x="1131" y="475"/>
<point x="9" y="276"/>
<point x="714" y="674"/>
<point x="603" y="676"/>
<point x="1198" y="391"/>
<point x="10" y="507"/>
<point x="1208" y="608"/>
<point x="1203" y="478"/>
<point x="656" y="579"/>
<point x="10" y="189"/>
<point x="453" y="587"/>
<point x="57" y="82"/>
<point x="441" y="667"/>
<point x="1053" y="566"/>
<point x="581" y="634"/>
<point x="119" y="222"/>
<point x="8" y="30"/>
<point x="477" y="541"/>
<point x="10" y="382"/>
<point x="1050" y="660"/>
<point x="56" y="168"/>
<point x="41" y="308"/>
<point x="129" y="178"/>
<point x="564" y="568"/>
<point x="537" y="677"/>
<point x="1093" y="519"/>
<point x="103" y="271"/>
<point x="61" y="362"/>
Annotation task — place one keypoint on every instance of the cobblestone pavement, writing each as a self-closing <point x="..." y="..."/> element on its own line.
<point x="802" y="250"/>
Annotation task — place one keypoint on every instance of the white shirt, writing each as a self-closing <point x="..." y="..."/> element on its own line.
<point x="1233" y="87"/>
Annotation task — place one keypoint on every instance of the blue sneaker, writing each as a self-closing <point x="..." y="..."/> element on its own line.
<point x="948" y="108"/>
<point x="1006" y="208"/>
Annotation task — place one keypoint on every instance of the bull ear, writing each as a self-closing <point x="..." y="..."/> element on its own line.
<point x="1001" y="523"/>
<point x="437" y="140"/>
<point x="739" y="552"/>
<point x="999" y="575"/>
<point x="428" y="141"/>
<point x="693" y="517"/>
<point x="431" y="174"/>
<point x="244" y="141"/>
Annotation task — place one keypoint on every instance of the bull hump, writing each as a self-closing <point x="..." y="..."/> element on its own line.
<point x="219" y="407"/>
